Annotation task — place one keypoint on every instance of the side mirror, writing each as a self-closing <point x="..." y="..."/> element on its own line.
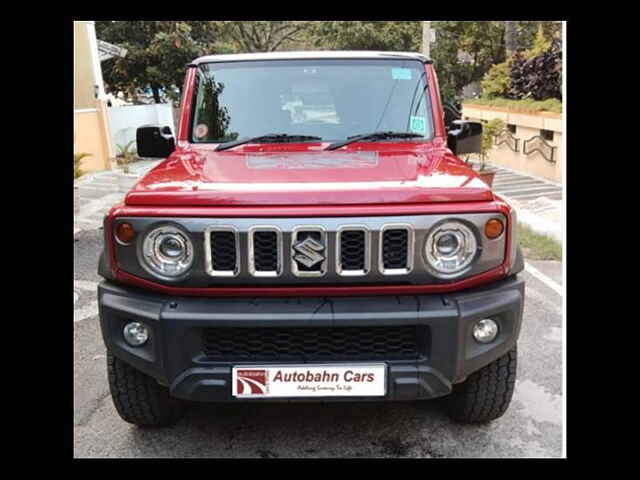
<point x="155" y="141"/>
<point x="465" y="137"/>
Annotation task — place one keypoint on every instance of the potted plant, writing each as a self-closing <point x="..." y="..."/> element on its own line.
<point x="125" y="155"/>
<point x="489" y="131"/>
<point x="77" y="162"/>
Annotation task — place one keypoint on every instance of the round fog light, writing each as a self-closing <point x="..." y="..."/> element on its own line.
<point x="485" y="331"/>
<point x="136" y="333"/>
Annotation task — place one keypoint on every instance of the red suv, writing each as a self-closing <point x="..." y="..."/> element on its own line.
<point x="311" y="235"/>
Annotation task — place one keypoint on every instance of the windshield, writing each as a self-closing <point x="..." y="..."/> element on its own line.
<point x="330" y="99"/>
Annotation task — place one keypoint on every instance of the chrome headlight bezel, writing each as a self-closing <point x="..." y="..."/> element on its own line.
<point x="464" y="255"/>
<point x="152" y="258"/>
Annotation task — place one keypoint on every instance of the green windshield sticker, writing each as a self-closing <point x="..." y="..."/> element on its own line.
<point x="418" y="125"/>
<point x="401" y="73"/>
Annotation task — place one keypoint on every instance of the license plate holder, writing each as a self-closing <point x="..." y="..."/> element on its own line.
<point x="309" y="380"/>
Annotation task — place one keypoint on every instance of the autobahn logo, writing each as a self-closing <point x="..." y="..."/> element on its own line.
<point x="252" y="382"/>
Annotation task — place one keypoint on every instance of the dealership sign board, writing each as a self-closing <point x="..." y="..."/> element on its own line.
<point x="309" y="381"/>
<point x="108" y="50"/>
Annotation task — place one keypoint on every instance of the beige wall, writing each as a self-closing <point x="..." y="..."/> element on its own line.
<point x="84" y="78"/>
<point x="90" y="120"/>
<point x="91" y="134"/>
<point x="527" y="126"/>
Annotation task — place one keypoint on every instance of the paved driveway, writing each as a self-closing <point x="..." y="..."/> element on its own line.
<point x="532" y="427"/>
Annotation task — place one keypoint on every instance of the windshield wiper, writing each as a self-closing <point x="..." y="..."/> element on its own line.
<point x="269" y="138"/>
<point x="372" y="136"/>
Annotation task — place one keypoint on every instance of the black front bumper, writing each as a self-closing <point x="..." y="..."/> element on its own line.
<point x="174" y="354"/>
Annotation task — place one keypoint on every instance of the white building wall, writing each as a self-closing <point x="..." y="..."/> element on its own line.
<point x="126" y="119"/>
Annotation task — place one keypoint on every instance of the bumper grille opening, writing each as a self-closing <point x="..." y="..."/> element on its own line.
<point x="394" y="248"/>
<point x="315" y="343"/>
<point x="352" y="250"/>
<point x="223" y="251"/>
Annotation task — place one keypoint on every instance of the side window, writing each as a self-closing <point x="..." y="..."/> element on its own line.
<point x="211" y="119"/>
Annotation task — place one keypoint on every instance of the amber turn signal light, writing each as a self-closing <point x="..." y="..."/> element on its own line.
<point x="493" y="228"/>
<point x="125" y="233"/>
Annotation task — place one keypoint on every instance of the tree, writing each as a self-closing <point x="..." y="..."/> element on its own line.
<point x="157" y="52"/>
<point x="261" y="36"/>
<point x="511" y="37"/>
<point x="375" y="35"/>
<point x="465" y="51"/>
<point x="528" y="32"/>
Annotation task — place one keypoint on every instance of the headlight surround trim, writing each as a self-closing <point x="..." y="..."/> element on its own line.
<point x="468" y="244"/>
<point x="161" y="266"/>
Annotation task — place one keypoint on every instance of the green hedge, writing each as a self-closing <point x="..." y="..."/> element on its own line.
<point x="524" y="106"/>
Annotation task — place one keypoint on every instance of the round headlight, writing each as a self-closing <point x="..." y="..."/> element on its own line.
<point x="449" y="249"/>
<point x="167" y="252"/>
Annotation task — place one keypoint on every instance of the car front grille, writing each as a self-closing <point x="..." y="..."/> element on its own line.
<point x="309" y="251"/>
<point x="315" y="343"/>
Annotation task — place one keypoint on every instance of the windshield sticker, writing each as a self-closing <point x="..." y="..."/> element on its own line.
<point x="401" y="73"/>
<point x="418" y="125"/>
<point x="312" y="160"/>
<point x="201" y="130"/>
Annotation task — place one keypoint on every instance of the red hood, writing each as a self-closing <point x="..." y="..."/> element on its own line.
<point x="306" y="175"/>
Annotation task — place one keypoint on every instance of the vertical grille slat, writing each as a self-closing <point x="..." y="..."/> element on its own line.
<point x="353" y="250"/>
<point x="396" y="249"/>
<point x="265" y="251"/>
<point x="222" y="251"/>
<point x="265" y="246"/>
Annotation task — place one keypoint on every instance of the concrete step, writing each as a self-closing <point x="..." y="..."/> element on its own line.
<point x="500" y="173"/>
<point x="541" y="188"/>
<point x="517" y="181"/>
<point x="509" y="175"/>
<point x="520" y="186"/>
<point x="535" y="195"/>
<point x="510" y="178"/>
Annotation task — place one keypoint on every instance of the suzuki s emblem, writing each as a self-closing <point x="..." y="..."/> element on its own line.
<point x="308" y="252"/>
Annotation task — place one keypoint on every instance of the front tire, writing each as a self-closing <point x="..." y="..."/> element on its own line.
<point x="485" y="395"/>
<point x="138" y="398"/>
